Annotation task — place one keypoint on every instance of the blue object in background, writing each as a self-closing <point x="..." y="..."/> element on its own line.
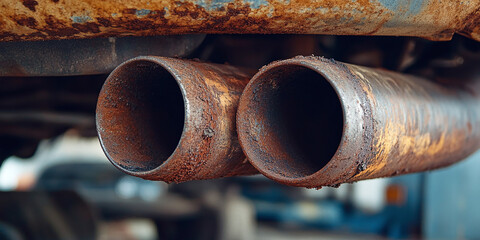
<point x="395" y="221"/>
<point x="452" y="197"/>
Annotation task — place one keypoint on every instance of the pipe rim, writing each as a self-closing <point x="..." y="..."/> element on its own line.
<point x="147" y="174"/>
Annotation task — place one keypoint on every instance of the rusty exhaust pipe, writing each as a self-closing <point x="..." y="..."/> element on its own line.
<point x="172" y="120"/>
<point x="315" y="122"/>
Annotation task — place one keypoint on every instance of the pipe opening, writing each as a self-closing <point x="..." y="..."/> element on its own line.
<point x="303" y="117"/>
<point x="145" y="115"/>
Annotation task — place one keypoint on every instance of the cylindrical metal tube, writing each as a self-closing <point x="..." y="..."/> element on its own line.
<point x="315" y="122"/>
<point x="172" y="120"/>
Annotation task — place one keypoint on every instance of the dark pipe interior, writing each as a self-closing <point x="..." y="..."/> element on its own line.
<point x="151" y="112"/>
<point x="305" y="115"/>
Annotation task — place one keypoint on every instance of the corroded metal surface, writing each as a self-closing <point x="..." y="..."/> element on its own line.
<point x="390" y="123"/>
<point x="172" y="120"/>
<point x="87" y="56"/>
<point x="66" y="19"/>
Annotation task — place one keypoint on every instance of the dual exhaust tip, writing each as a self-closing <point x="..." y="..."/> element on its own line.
<point x="304" y="121"/>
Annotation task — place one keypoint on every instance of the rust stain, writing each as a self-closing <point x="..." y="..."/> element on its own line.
<point x="472" y="25"/>
<point x="91" y="18"/>
<point x="30" y="4"/>
<point x="27" y="21"/>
